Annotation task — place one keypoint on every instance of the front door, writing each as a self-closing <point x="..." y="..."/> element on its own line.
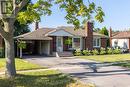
<point x="59" y="44"/>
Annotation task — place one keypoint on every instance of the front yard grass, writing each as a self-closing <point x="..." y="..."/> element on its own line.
<point x="20" y="65"/>
<point x="108" y="58"/>
<point x="49" y="78"/>
<point x="123" y="59"/>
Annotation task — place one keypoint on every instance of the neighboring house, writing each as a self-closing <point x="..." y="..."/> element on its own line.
<point x="120" y="39"/>
<point x="52" y="40"/>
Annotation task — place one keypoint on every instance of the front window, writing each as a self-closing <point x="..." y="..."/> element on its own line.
<point x="96" y="42"/>
<point x="76" y="43"/>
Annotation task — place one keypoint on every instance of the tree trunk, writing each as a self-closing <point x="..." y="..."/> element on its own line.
<point x="9" y="50"/>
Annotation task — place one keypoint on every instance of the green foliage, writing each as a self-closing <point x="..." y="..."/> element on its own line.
<point x="21" y="28"/>
<point x="108" y="58"/>
<point x="74" y="9"/>
<point x="35" y="11"/>
<point x="22" y="44"/>
<point x="86" y="52"/>
<point x="68" y="41"/>
<point x="49" y="78"/>
<point x="104" y="31"/>
<point x="77" y="8"/>
<point x="109" y="50"/>
<point x="77" y="52"/>
<point x="100" y="14"/>
<point x="102" y="51"/>
<point x="95" y="52"/>
<point x="20" y="64"/>
<point x="117" y="51"/>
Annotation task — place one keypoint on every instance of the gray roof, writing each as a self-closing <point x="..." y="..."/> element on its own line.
<point x="36" y="35"/>
<point x="43" y="33"/>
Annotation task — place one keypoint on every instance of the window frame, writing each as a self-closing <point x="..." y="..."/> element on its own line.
<point x="80" y="42"/>
<point x="98" y="45"/>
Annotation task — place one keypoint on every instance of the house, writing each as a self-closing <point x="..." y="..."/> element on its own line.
<point x="120" y="39"/>
<point x="52" y="40"/>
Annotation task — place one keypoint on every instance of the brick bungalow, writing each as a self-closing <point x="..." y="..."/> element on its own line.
<point x="120" y="39"/>
<point x="52" y="40"/>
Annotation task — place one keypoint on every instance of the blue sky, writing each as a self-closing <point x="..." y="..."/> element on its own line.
<point x="117" y="15"/>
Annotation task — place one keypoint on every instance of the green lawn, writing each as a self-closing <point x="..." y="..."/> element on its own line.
<point x="108" y="58"/>
<point x="20" y="65"/>
<point x="124" y="58"/>
<point x="41" y="79"/>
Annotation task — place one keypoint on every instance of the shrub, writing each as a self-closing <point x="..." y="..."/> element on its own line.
<point x="109" y="50"/>
<point x="86" y="52"/>
<point x="95" y="52"/>
<point x="77" y="53"/>
<point x="117" y="51"/>
<point x="102" y="51"/>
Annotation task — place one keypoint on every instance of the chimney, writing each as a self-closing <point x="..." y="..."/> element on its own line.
<point x="110" y="36"/>
<point x="89" y="36"/>
<point x="36" y="25"/>
<point x="110" y="32"/>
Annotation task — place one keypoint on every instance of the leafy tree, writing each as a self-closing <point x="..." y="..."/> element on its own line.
<point x="20" y="28"/>
<point x="74" y="9"/>
<point x="104" y="31"/>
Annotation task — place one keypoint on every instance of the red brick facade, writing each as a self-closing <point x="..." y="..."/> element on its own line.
<point x="87" y="41"/>
<point x="104" y="42"/>
<point x="110" y="35"/>
<point x="89" y="38"/>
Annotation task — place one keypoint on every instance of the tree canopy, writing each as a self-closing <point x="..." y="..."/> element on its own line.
<point x="74" y="9"/>
<point x="104" y="31"/>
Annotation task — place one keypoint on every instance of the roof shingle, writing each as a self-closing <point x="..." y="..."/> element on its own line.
<point x="43" y="33"/>
<point x="123" y="34"/>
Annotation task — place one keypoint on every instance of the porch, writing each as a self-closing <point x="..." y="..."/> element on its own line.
<point x="35" y="47"/>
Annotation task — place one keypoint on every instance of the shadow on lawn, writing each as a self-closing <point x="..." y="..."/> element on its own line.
<point x="55" y="80"/>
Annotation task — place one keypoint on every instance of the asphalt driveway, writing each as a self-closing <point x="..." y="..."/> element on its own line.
<point x="85" y="70"/>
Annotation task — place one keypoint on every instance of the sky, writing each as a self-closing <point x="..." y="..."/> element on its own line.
<point x="117" y="15"/>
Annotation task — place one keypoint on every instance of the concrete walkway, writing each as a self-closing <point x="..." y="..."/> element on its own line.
<point x="107" y="76"/>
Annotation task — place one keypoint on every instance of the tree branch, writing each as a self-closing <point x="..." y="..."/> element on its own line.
<point x="19" y="7"/>
<point x="2" y="32"/>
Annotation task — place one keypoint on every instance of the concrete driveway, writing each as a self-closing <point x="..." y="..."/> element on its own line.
<point x="107" y="76"/>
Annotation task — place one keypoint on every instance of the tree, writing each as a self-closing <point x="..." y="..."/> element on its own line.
<point x="104" y="31"/>
<point x="20" y="28"/>
<point x="73" y="8"/>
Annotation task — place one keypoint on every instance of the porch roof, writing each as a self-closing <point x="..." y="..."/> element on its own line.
<point x="35" y="35"/>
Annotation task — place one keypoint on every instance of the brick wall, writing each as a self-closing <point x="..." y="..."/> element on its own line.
<point x="104" y="42"/>
<point x="110" y="37"/>
<point x="89" y="38"/>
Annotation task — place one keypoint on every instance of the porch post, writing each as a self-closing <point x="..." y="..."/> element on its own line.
<point x="17" y="50"/>
<point x="81" y="43"/>
<point x="20" y="52"/>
